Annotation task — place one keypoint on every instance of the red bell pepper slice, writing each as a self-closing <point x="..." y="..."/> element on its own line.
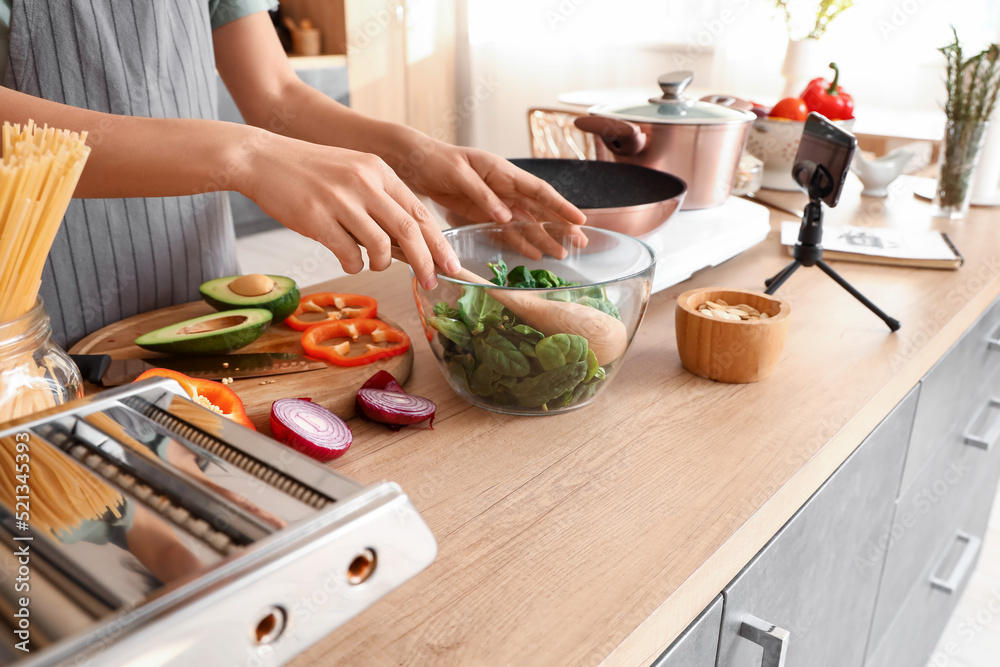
<point x="213" y="395"/>
<point x="828" y="99"/>
<point x="351" y="331"/>
<point x="348" y="306"/>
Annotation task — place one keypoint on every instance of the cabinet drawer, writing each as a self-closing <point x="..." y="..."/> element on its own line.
<point x="948" y="392"/>
<point x="921" y="616"/>
<point x="698" y="644"/>
<point x="929" y="512"/>
<point x="807" y="580"/>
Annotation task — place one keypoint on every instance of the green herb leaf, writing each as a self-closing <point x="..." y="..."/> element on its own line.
<point x="539" y="390"/>
<point x="453" y="330"/>
<point x="592" y="366"/>
<point x="444" y="309"/>
<point x="475" y="304"/>
<point x="500" y="355"/>
<point x="561" y="349"/>
<point x="601" y="304"/>
<point x="499" y="270"/>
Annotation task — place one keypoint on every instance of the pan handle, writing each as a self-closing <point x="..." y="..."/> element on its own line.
<point x="620" y="136"/>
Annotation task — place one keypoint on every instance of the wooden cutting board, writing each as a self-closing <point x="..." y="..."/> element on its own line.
<point x="333" y="388"/>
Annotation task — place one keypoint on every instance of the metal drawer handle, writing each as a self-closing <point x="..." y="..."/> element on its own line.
<point x="993" y="342"/>
<point x="951" y="584"/>
<point x="769" y="637"/>
<point x="991" y="436"/>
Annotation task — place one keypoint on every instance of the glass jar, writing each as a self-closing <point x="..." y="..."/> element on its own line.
<point x="963" y="145"/>
<point x="35" y="373"/>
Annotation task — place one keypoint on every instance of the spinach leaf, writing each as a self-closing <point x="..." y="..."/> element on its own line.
<point x="444" y="309"/>
<point x="601" y="304"/>
<point x="520" y="276"/>
<point x="500" y="355"/>
<point x="453" y="330"/>
<point x="475" y="304"/>
<point x="458" y="374"/>
<point x="561" y="349"/>
<point x="528" y="332"/>
<point x="592" y="366"/>
<point x="482" y="382"/>
<point x="499" y="272"/>
<point x="527" y="349"/>
<point x="536" y="391"/>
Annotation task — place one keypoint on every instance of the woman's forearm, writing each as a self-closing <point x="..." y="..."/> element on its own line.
<point x="145" y="157"/>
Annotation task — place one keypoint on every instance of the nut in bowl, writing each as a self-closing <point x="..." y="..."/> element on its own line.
<point x="553" y="336"/>
<point x="730" y="335"/>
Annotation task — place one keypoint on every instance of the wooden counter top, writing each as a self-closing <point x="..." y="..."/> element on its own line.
<point x="596" y="537"/>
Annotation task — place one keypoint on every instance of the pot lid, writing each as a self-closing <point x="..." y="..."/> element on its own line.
<point x="673" y="108"/>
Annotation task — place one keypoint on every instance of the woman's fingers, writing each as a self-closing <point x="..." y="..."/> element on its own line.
<point x="475" y="187"/>
<point x="426" y="232"/>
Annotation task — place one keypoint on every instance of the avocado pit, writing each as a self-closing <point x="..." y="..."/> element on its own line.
<point x="252" y="284"/>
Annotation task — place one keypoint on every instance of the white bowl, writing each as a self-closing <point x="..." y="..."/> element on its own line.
<point x="776" y="143"/>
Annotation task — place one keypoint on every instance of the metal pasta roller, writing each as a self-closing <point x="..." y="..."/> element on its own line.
<point x="137" y="527"/>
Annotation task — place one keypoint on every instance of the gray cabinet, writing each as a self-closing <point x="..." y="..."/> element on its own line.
<point x="697" y="645"/>
<point x="942" y="513"/>
<point x="810" y="593"/>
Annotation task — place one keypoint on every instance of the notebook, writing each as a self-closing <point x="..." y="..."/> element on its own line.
<point x="895" y="247"/>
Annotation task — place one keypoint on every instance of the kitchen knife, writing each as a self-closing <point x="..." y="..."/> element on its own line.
<point x="107" y="372"/>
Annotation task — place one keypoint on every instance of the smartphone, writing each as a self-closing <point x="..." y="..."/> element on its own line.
<point x="824" y="158"/>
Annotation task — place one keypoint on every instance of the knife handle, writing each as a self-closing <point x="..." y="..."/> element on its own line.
<point x="92" y="366"/>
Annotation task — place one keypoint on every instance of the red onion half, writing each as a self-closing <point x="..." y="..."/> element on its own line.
<point x="310" y="428"/>
<point x="383" y="380"/>
<point x="393" y="408"/>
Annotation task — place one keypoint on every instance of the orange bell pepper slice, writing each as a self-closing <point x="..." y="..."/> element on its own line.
<point x="348" y="306"/>
<point x="215" y="396"/>
<point x="351" y="331"/>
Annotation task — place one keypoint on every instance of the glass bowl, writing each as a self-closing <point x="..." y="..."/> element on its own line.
<point x="498" y="361"/>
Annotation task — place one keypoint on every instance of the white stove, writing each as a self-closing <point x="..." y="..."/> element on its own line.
<point x="694" y="240"/>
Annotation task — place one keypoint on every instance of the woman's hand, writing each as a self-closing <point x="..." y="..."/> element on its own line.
<point x="343" y="199"/>
<point x="478" y="185"/>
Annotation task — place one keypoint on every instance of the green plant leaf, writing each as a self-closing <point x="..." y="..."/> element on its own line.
<point x="561" y="349"/>
<point x="537" y="391"/>
<point x="453" y="330"/>
<point x="500" y="355"/>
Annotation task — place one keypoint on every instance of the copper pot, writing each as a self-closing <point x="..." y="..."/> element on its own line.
<point x="698" y="141"/>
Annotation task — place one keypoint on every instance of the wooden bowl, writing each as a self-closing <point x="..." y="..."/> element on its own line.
<point x="730" y="350"/>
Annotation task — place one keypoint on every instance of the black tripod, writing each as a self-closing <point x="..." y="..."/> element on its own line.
<point x="809" y="252"/>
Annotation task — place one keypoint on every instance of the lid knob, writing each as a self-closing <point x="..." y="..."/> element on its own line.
<point x="674" y="83"/>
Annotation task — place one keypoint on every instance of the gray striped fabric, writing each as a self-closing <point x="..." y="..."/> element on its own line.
<point x="114" y="258"/>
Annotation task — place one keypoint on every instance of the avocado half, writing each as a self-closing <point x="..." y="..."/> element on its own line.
<point x="217" y="333"/>
<point x="282" y="300"/>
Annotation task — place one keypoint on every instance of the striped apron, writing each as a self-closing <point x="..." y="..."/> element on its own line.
<point x="114" y="258"/>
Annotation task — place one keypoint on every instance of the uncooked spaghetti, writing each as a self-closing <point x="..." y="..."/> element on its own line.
<point x="39" y="170"/>
<point x="62" y="493"/>
<point x="38" y="174"/>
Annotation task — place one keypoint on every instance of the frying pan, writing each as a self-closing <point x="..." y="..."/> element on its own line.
<point x="622" y="197"/>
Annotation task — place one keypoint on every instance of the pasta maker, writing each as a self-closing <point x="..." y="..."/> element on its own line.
<point x="210" y="544"/>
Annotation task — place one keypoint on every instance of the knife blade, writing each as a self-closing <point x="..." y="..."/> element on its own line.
<point x="103" y="370"/>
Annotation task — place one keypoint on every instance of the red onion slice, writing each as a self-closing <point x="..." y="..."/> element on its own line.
<point x="395" y="409"/>
<point x="310" y="428"/>
<point x="383" y="380"/>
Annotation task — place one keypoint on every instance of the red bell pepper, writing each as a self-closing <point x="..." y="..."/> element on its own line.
<point x="790" y="108"/>
<point x="351" y="331"/>
<point x="347" y="306"/>
<point x="828" y="99"/>
<point x="215" y="396"/>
